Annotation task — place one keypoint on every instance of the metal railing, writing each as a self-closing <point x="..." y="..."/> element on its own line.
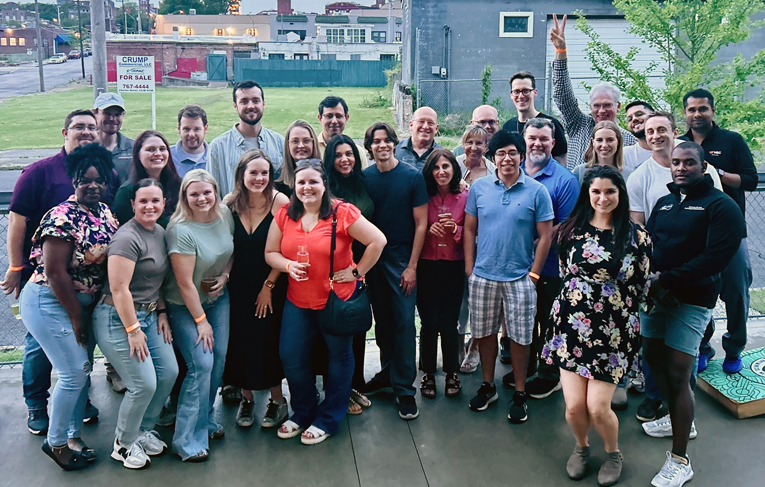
<point x="12" y="330"/>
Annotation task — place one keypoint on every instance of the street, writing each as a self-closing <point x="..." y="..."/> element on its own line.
<point x="21" y="80"/>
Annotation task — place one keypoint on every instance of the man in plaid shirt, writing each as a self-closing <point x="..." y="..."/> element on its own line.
<point x="604" y="102"/>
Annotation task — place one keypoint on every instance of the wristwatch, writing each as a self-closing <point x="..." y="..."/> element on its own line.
<point x="355" y="272"/>
<point x="721" y="172"/>
<point x="269" y="284"/>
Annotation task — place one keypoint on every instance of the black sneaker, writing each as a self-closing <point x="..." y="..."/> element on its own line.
<point x="541" y="388"/>
<point x="37" y="422"/>
<point x="407" y="407"/>
<point x="374" y="386"/>
<point x="648" y="410"/>
<point x="91" y="413"/>
<point x="519" y="411"/>
<point x="486" y="395"/>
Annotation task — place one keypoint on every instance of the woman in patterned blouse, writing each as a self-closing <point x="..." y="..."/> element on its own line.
<point x="58" y="301"/>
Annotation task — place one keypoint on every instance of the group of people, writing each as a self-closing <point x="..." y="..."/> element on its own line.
<point x="589" y="263"/>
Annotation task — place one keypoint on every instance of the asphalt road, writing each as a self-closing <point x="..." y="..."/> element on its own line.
<point x="24" y="79"/>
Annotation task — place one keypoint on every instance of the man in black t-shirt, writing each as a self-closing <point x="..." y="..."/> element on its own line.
<point x="523" y="92"/>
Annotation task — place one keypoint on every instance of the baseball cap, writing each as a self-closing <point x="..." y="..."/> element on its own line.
<point x="106" y="100"/>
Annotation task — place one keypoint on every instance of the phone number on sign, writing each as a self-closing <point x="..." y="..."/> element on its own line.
<point x="136" y="87"/>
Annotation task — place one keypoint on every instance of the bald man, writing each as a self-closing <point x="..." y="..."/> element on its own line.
<point x="523" y="93"/>
<point x="415" y="150"/>
<point x="487" y="117"/>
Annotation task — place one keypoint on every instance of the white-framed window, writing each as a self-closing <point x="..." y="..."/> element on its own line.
<point x="22" y="41"/>
<point x="3" y="41"/>
<point x="398" y="36"/>
<point x="378" y="36"/>
<point x="516" y="24"/>
<point x="13" y="41"/>
<point x="357" y="36"/>
<point x="252" y="32"/>
<point x="301" y="56"/>
<point x="335" y="36"/>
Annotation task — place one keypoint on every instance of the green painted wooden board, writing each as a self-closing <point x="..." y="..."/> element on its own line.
<point x="743" y="393"/>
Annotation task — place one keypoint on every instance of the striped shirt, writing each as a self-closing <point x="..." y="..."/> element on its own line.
<point x="578" y="124"/>
<point x="228" y="147"/>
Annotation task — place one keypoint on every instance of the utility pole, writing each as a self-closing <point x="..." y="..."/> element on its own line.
<point x="124" y="11"/>
<point x="138" y="16"/>
<point x="98" y="45"/>
<point x="79" y="35"/>
<point x="39" y="49"/>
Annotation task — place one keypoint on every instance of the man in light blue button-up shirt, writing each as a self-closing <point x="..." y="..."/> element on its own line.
<point x="248" y="133"/>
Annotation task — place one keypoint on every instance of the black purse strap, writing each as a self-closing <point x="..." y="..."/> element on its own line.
<point x="333" y="246"/>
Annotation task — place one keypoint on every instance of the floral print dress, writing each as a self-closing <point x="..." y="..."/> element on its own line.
<point x="596" y="331"/>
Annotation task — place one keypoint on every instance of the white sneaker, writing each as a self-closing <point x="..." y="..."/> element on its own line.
<point x="151" y="443"/>
<point x="662" y="428"/>
<point x="471" y="362"/>
<point x="673" y="473"/>
<point x="131" y="456"/>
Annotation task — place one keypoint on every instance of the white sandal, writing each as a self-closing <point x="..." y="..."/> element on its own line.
<point x="289" y="429"/>
<point x="318" y="436"/>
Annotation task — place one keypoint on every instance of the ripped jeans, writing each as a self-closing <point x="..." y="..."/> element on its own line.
<point x="48" y="322"/>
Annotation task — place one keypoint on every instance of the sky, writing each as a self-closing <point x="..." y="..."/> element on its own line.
<point x="255" y="6"/>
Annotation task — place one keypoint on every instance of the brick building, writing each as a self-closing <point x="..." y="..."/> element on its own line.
<point x="19" y="41"/>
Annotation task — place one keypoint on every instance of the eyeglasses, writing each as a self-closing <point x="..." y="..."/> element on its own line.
<point x="490" y="123"/>
<point x="524" y="92"/>
<point x="603" y="106"/>
<point x="81" y="127"/>
<point x="500" y="154"/>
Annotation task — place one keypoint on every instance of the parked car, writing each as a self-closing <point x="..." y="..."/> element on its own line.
<point x="74" y="54"/>
<point x="57" y="59"/>
<point x="87" y="52"/>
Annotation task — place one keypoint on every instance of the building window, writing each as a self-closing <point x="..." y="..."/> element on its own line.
<point x="387" y="57"/>
<point x="13" y="41"/>
<point x="188" y="31"/>
<point x="276" y="56"/>
<point x="357" y="36"/>
<point x="252" y="32"/>
<point x="336" y="36"/>
<point x="301" y="33"/>
<point x="22" y="41"/>
<point x="3" y="41"/>
<point x="301" y="56"/>
<point x="378" y="36"/>
<point x="398" y="36"/>
<point x="329" y="57"/>
<point x="218" y="32"/>
<point x="516" y="24"/>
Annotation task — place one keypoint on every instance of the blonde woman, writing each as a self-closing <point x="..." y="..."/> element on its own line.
<point x="473" y="163"/>
<point x="300" y="143"/>
<point x="201" y="245"/>
<point x="605" y="149"/>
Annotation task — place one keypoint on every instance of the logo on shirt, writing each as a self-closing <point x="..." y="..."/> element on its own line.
<point x="666" y="207"/>
<point x="715" y="153"/>
<point x="695" y="208"/>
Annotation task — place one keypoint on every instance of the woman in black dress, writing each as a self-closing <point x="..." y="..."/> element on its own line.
<point x="604" y="261"/>
<point x="256" y="292"/>
<point x="345" y="176"/>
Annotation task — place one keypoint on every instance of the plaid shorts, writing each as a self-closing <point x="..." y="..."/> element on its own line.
<point x="495" y="304"/>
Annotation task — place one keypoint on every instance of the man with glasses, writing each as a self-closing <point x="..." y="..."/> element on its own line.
<point x="333" y="115"/>
<point x="604" y="102"/>
<point x="415" y="150"/>
<point x="41" y="186"/>
<point x="485" y="116"/>
<point x="523" y="92"/>
<point x="109" y="109"/>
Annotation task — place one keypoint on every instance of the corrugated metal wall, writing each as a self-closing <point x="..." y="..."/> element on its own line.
<point x="287" y="73"/>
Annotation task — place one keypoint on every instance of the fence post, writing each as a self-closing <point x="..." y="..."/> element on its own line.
<point x="417" y="66"/>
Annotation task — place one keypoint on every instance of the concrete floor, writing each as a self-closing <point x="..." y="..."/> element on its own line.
<point x="448" y="445"/>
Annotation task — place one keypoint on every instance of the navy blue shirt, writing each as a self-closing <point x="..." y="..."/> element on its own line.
<point x="563" y="188"/>
<point x="395" y="194"/>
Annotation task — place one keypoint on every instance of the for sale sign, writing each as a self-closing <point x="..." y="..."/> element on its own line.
<point x="135" y="74"/>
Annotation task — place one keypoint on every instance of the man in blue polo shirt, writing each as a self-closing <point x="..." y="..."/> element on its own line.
<point x="415" y="150"/>
<point x="539" y="135"/>
<point x="191" y="151"/>
<point x="505" y="213"/>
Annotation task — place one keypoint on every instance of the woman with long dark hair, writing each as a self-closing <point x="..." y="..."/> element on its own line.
<point x="604" y="260"/>
<point x="301" y="233"/>
<point x="151" y="159"/>
<point x="342" y="163"/>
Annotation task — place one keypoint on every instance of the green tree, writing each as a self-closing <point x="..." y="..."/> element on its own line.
<point x="210" y="7"/>
<point x="132" y="23"/>
<point x="689" y="34"/>
<point x="47" y="10"/>
<point x="485" y="84"/>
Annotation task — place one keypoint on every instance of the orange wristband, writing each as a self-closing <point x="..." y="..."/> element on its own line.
<point x="135" y="326"/>
<point x="560" y="50"/>
<point x="16" y="268"/>
<point x="534" y="275"/>
<point x="200" y="318"/>
<point x="287" y="267"/>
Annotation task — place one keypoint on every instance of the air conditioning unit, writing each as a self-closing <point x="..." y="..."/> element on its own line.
<point x="192" y="11"/>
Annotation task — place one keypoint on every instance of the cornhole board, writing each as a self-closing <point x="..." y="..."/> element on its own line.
<point x="743" y="393"/>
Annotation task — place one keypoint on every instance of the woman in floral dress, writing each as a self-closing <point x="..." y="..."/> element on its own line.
<point x="604" y="260"/>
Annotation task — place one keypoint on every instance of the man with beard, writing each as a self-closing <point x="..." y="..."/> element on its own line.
<point x="191" y="150"/>
<point x="248" y="133"/>
<point x="523" y="93"/>
<point x="109" y="109"/>
<point x="415" y="150"/>
<point x="333" y="115"/>
<point x="485" y="116"/>
<point x="563" y="187"/>
<point x="637" y="112"/>
<point x="41" y="186"/>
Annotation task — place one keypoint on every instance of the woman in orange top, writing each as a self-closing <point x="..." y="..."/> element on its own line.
<point x="301" y="233"/>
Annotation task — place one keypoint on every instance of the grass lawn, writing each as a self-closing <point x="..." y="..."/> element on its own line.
<point x="35" y="121"/>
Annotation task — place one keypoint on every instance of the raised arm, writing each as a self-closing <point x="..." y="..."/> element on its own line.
<point x="563" y="91"/>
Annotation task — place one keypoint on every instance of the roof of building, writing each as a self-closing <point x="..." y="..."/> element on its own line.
<point x="332" y="19"/>
<point x="291" y="18"/>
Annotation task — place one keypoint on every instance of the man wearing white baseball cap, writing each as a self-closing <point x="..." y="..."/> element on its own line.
<point x="110" y="109"/>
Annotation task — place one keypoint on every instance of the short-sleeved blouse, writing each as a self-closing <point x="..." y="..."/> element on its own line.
<point x="313" y="292"/>
<point x="90" y="232"/>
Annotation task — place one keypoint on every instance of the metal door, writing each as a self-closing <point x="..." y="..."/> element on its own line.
<point x="216" y="67"/>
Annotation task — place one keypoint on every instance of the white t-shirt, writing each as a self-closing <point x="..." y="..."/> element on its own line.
<point x="648" y="183"/>
<point x="634" y="155"/>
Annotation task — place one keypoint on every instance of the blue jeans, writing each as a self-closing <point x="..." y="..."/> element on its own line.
<point x="148" y="382"/>
<point x="48" y="322"/>
<point x="394" y="327"/>
<point x="300" y="327"/>
<point x="195" y="418"/>
<point x="35" y="374"/>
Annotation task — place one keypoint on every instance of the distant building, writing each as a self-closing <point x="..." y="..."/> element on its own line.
<point x="16" y="15"/>
<point x="22" y="41"/>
